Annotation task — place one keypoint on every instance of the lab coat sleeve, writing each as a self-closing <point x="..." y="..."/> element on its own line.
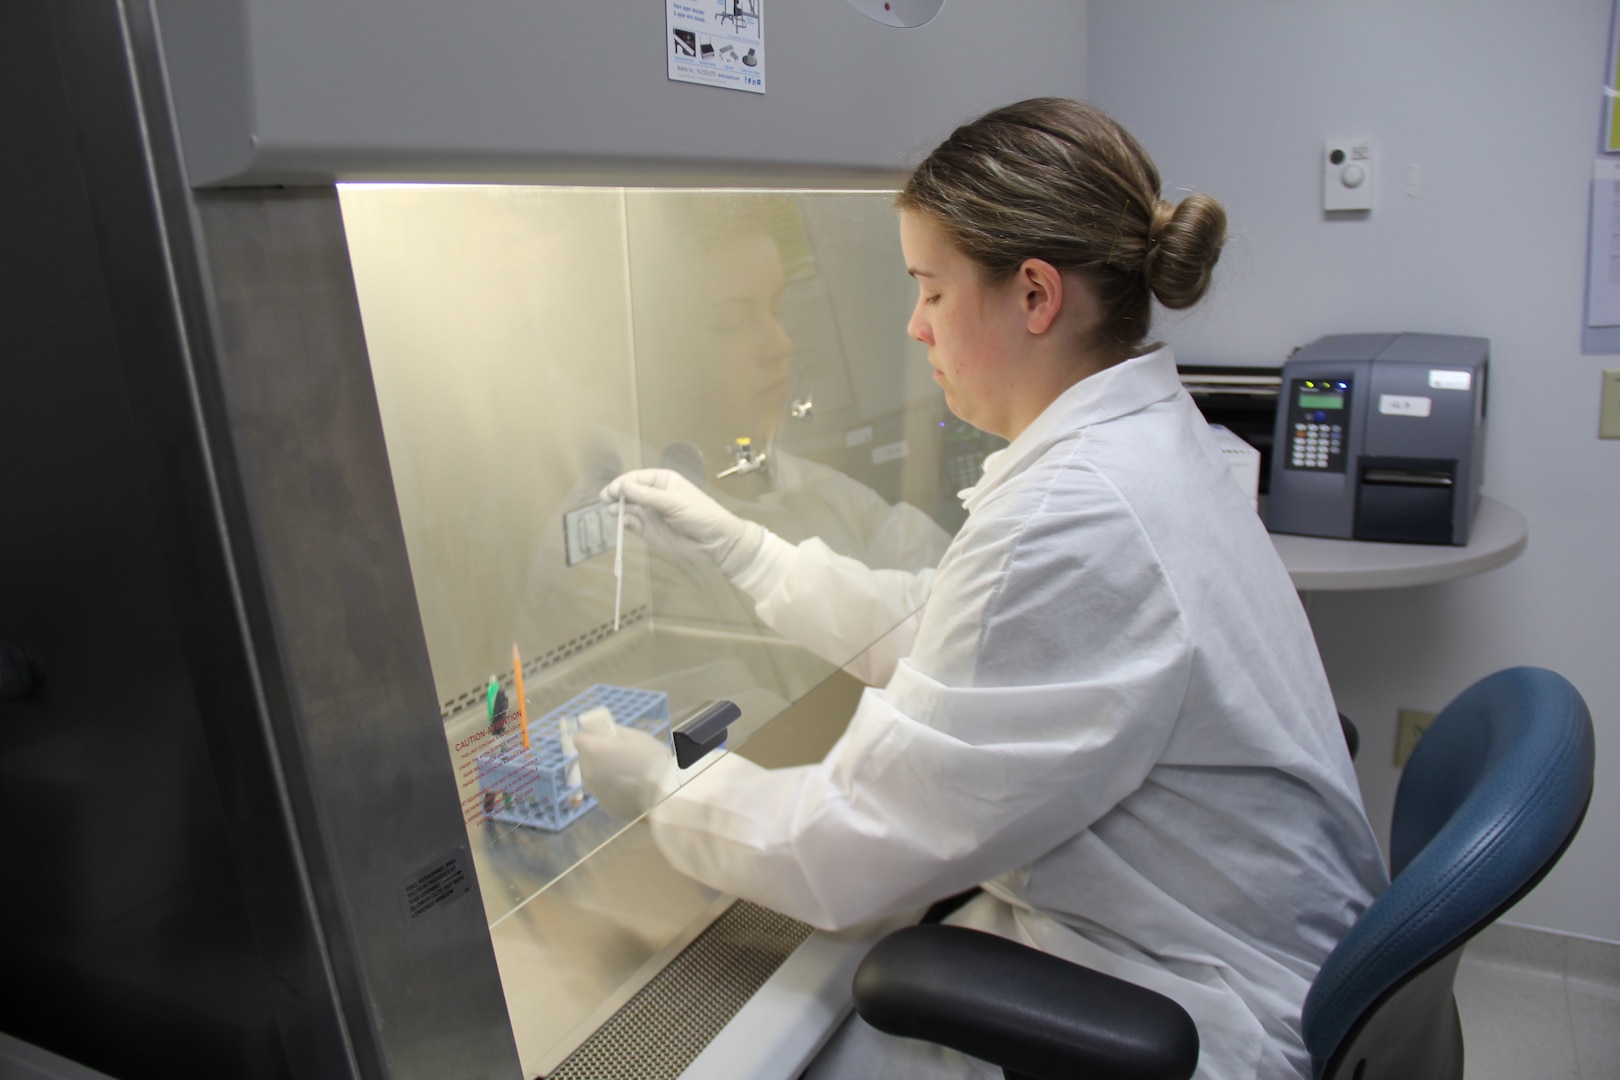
<point x="971" y="763"/>
<point x="839" y="608"/>
<point x="881" y="534"/>
<point x="902" y="536"/>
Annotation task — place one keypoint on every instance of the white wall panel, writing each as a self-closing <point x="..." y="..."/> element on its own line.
<point x="1498" y="103"/>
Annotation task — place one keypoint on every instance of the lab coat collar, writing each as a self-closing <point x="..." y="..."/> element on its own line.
<point x="1111" y="393"/>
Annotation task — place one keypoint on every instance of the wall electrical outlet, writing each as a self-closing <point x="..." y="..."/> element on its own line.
<point x="1410" y="724"/>
<point x="1609" y="415"/>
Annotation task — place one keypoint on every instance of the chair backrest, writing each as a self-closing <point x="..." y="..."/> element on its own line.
<point x="1490" y="798"/>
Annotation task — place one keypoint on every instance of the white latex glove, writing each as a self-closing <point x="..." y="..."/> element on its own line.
<point x="666" y="507"/>
<point x="627" y="770"/>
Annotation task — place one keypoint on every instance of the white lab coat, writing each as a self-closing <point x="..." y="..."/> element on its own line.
<point x="1110" y="711"/>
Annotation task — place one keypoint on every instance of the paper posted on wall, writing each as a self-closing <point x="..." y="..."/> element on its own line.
<point x="1603" y="268"/>
<point x="717" y="43"/>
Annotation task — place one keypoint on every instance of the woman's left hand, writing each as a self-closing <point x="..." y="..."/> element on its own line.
<point x="628" y="771"/>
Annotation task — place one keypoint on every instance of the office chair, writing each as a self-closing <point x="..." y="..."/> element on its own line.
<point x="1352" y="736"/>
<point x="1490" y="798"/>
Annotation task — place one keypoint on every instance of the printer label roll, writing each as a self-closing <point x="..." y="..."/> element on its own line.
<point x="1404" y="405"/>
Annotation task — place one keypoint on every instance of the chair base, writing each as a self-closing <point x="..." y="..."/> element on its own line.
<point x="1416" y="1033"/>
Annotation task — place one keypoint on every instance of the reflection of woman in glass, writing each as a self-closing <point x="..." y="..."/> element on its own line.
<point x="713" y="364"/>
<point x="712" y="357"/>
<point x="739" y="322"/>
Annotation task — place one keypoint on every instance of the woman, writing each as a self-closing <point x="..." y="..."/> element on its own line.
<point x="1108" y="708"/>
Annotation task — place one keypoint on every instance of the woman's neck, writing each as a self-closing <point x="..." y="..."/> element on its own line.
<point x="1052" y="374"/>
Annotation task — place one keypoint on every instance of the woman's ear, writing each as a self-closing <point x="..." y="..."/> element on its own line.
<point x="1040" y="294"/>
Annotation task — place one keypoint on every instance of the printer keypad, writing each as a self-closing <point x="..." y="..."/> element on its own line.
<point x="1315" y="445"/>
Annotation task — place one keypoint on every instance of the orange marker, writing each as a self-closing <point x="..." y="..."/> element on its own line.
<point x="517" y="685"/>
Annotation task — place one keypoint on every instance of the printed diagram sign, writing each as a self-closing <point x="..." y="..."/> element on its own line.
<point x="717" y="43"/>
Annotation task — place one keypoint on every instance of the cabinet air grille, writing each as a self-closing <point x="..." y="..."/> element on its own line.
<point x="663" y="1028"/>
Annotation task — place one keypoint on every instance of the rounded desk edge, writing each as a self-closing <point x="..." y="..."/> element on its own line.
<point x="1498" y="536"/>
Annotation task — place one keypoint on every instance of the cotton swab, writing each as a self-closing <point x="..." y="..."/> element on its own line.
<point x="618" y="566"/>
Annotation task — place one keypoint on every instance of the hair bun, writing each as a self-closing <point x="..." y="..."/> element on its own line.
<point x="1184" y="244"/>
<point x="1163" y="213"/>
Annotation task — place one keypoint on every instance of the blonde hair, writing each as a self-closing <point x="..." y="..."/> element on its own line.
<point x="1061" y="181"/>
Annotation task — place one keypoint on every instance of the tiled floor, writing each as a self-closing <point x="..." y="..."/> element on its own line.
<point x="1539" y="1006"/>
<point x="1534" y="1005"/>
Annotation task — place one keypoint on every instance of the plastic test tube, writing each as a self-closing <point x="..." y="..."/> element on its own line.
<point x="566" y="726"/>
<point x="618" y="565"/>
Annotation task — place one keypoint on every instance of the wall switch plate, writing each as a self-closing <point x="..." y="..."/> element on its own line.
<point x="1347" y="175"/>
<point x="1410" y="724"/>
<point x="1609" y="415"/>
<point x="589" y="530"/>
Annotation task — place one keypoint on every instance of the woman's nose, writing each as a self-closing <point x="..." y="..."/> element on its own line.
<point x="918" y="327"/>
<point x="778" y="346"/>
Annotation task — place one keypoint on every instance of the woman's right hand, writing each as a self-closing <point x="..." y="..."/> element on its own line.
<point x="666" y="508"/>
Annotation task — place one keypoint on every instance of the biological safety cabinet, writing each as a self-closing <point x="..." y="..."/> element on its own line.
<point x="327" y="323"/>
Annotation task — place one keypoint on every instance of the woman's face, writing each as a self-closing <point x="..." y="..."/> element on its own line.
<point x="739" y="338"/>
<point x="967" y="327"/>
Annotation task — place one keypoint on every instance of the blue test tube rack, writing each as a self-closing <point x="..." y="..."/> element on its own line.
<point x="532" y="788"/>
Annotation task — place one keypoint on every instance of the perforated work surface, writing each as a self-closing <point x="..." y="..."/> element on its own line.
<point x="661" y="1030"/>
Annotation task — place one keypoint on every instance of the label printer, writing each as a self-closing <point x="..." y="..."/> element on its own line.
<point x="1380" y="437"/>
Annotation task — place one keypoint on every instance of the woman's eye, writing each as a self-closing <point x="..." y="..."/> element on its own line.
<point x="727" y="318"/>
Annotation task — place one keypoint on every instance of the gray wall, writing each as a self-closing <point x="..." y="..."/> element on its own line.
<point x="1499" y="103"/>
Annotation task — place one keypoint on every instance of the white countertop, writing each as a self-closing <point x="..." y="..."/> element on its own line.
<point x="1498" y="536"/>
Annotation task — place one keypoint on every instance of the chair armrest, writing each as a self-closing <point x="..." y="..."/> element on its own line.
<point x="1032" y="1013"/>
